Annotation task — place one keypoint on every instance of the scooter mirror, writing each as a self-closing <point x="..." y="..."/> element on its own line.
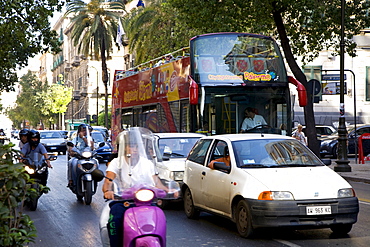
<point x="102" y="144"/>
<point x="98" y="175"/>
<point x="70" y="144"/>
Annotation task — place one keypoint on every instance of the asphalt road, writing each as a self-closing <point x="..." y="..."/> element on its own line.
<point x="63" y="221"/>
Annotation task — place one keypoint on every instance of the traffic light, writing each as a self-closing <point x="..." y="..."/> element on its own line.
<point x="94" y="118"/>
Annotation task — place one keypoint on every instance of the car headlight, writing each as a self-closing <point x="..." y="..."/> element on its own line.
<point x="86" y="154"/>
<point x="177" y="176"/>
<point x="276" y="195"/>
<point x="144" y="195"/>
<point x="349" y="192"/>
<point x="326" y="142"/>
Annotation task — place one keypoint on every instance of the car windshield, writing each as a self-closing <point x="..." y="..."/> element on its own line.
<point x="176" y="147"/>
<point x="50" y="135"/>
<point x="97" y="136"/>
<point x="273" y="153"/>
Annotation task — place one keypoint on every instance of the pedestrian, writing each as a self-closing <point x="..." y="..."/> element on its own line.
<point x="299" y="135"/>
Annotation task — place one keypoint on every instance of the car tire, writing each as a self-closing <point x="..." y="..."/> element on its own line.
<point x="243" y="219"/>
<point x="190" y="211"/>
<point x="334" y="153"/>
<point x="341" y="229"/>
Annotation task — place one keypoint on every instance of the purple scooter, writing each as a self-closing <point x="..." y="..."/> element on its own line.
<point x="143" y="224"/>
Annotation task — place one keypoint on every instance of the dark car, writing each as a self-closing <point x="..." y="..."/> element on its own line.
<point x="54" y="141"/>
<point x="329" y="144"/>
<point x="105" y="151"/>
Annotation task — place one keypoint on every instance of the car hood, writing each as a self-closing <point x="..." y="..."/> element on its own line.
<point x="56" y="141"/>
<point x="303" y="182"/>
<point x="174" y="164"/>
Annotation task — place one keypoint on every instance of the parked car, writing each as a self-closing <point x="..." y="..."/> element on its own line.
<point x="14" y="134"/>
<point x="271" y="181"/>
<point x="174" y="148"/>
<point x="53" y="141"/>
<point x="329" y="145"/>
<point x="321" y="130"/>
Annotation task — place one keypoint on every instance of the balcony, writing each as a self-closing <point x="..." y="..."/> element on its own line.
<point x="76" y="61"/>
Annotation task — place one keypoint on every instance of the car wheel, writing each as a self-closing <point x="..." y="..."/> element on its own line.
<point x="244" y="220"/>
<point x="334" y="152"/>
<point x="190" y="211"/>
<point x="341" y="229"/>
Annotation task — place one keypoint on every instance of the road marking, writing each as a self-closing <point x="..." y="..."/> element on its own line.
<point x="364" y="201"/>
<point x="286" y="243"/>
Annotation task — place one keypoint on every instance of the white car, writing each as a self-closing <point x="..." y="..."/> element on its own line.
<point x="271" y="181"/>
<point x="174" y="148"/>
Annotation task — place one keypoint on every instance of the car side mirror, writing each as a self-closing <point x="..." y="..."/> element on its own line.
<point x="221" y="166"/>
<point x="326" y="162"/>
<point x="165" y="158"/>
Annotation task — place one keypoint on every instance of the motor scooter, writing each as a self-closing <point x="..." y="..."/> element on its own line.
<point x="84" y="182"/>
<point x="144" y="224"/>
<point x="37" y="168"/>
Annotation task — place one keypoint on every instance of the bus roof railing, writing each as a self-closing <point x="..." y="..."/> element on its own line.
<point x="153" y="63"/>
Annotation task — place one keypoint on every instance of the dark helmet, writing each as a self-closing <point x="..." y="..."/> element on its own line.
<point x="23" y="132"/>
<point x="84" y="126"/>
<point x="33" y="134"/>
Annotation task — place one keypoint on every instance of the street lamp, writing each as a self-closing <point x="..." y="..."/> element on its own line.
<point x="342" y="161"/>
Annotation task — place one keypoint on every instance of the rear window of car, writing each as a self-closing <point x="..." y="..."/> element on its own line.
<point x="176" y="147"/>
<point x="50" y="135"/>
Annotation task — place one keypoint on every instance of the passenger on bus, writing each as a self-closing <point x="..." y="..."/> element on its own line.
<point x="251" y="120"/>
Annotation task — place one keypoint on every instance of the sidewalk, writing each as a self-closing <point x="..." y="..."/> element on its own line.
<point x="358" y="173"/>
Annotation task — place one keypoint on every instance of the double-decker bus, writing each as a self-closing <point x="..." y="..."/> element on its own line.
<point x="219" y="76"/>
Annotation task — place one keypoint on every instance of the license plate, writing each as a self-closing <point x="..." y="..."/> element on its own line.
<point x="316" y="210"/>
<point x="53" y="147"/>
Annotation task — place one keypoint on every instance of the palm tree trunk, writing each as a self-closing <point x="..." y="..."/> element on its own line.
<point x="105" y="81"/>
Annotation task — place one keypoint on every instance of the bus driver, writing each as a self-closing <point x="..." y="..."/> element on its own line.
<point x="251" y="120"/>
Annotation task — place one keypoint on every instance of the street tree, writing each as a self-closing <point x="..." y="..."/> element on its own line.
<point x="155" y="30"/>
<point x="24" y="32"/>
<point x="38" y="102"/>
<point x="94" y="30"/>
<point x="303" y="28"/>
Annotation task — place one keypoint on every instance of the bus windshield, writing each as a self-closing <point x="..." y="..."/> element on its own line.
<point x="235" y="58"/>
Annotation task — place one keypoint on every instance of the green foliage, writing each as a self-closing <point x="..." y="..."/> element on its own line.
<point x="24" y="32"/>
<point x="156" y="30"/>
<point x="310" y="25"/>
<point x="101" y="119"/>
<point x="16" y="228"/>
<point x="39" y="102"/>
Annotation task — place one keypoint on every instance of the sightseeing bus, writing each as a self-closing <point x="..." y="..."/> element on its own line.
<point x="208" y="87"/>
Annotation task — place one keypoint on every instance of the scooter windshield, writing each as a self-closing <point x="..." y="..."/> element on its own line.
<point x="136" y="158"/>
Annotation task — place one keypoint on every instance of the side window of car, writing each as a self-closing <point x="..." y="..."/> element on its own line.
<point x="199" y="152"/>
<point x="218" y="150"/>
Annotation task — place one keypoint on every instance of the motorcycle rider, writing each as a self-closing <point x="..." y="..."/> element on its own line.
<point x="2" y="133"/>
<point x="127" y="170"/>
<point x="33" y="145"/>
<point x="22" y="138"/>
<point x="81" y="141"/>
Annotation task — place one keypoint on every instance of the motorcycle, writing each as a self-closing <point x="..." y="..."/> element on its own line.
<point x="84" y="182"/>
<point x="3" y="138"/>
<point x="37" y="168"/>
<point x="144" y="223"/>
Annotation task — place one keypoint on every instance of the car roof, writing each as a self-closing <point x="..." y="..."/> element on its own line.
<point x="248" y="136"/>
<point x="179" y="135"/>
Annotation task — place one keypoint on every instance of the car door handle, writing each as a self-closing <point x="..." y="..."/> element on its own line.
<point x="203" y="173"/>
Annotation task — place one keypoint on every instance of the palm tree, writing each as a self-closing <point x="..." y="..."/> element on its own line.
<point x="94" y="29"/>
